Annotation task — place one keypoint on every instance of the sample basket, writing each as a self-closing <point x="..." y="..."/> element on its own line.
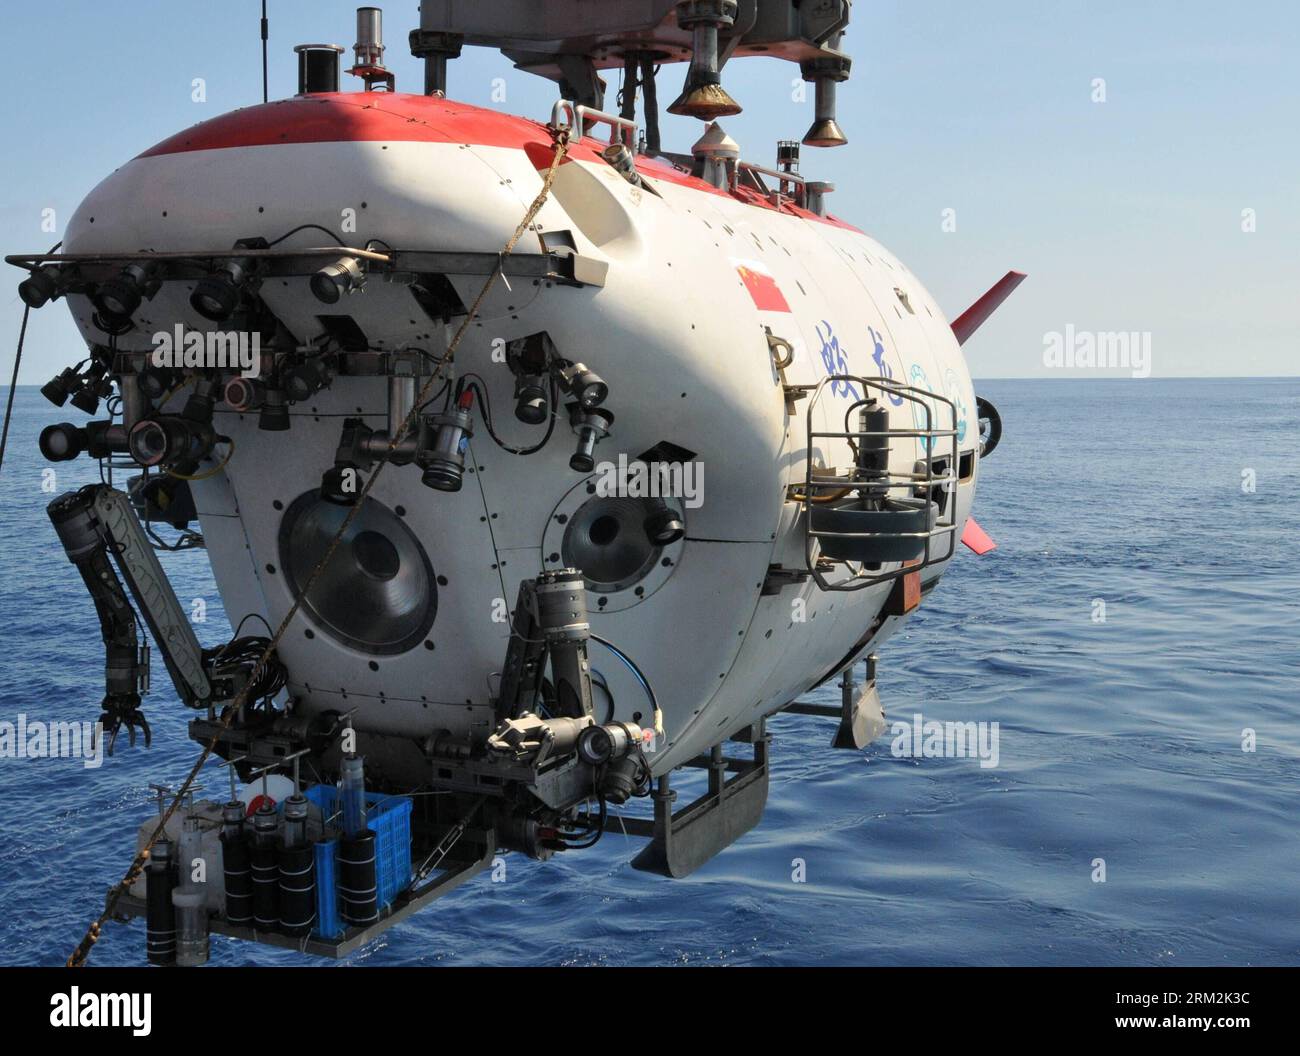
<point x="389" y="817"/>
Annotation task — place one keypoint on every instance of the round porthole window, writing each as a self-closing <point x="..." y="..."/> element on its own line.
<point x="626" y="547"/>
<point x="377" y="593"/>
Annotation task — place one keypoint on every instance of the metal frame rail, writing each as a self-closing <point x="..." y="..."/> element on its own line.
<point x="815" y="485"/>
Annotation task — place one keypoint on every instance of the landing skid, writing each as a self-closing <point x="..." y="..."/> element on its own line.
<point x="683" y="841"/>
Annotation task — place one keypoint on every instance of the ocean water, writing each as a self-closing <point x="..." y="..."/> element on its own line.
<point x="1119" y="740"/>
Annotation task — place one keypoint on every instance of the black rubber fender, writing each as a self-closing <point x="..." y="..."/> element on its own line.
<point x="988" y="417"/>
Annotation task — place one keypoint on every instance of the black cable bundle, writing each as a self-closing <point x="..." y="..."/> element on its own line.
<point x="248" y="650"/>
<point x="589" y="828"/>
<point x="479" y="388"/>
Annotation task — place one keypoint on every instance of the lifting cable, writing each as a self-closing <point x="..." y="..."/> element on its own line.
<point x="79" y="956"/>
<point x="18" y="362"/>
<point x="13" y="385"/>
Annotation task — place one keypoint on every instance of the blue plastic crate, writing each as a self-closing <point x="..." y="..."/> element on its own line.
<point x="389" y="817"/>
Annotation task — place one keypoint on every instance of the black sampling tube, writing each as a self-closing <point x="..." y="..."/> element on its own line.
<point x="236" y="866"/>
<point x="297" y="889"/>
<point x="265" y="863"/>
<point x="160" y="914"/>
<point x="358" y="887"/>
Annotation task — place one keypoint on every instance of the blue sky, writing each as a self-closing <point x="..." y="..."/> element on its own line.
<point x="1127" y="213"/>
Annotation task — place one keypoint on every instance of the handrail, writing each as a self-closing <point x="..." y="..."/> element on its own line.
<point x="622" y="130"/>
<point x="783" y="178"/>
<point x="27" y="260"/>
<point x="884" y="482"/>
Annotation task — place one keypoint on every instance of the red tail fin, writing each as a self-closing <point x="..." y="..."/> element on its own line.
<point x="976" y="537"/>
<point x="973" y="317"/>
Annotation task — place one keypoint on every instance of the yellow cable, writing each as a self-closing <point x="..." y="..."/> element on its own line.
<point x="211" y="472"/>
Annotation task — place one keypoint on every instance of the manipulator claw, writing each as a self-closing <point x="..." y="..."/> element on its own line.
<point x="123" y="713"/>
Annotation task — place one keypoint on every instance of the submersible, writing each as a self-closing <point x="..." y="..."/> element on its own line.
<point x="466" y="322"/>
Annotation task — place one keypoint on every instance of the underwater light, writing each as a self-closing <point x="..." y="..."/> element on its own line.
<point x="120" y="296"/>
<point x="333" y="280"/>
<point x="217" y="295"/>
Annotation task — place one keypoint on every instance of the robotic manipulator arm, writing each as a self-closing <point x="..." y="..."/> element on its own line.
<point x="93" y="523"/>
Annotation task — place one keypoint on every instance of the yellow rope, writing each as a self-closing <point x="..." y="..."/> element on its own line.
<point x="174" y="390"/>
<point x="207" y="473"/>
<point x="833" y="496"/>
<point x="78" y="956"/>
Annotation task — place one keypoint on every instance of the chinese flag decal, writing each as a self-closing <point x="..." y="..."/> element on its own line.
<point x="763" y="289"/>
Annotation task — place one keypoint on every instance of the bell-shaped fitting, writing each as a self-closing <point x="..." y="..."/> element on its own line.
<point x="825" y="132"/>
<point x="704" y="98"/>
<point x="716" y="154"/>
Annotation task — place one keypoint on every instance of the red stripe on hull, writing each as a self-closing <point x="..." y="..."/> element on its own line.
<point x="352" y="117"/>
<point x="373" y="117"/>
